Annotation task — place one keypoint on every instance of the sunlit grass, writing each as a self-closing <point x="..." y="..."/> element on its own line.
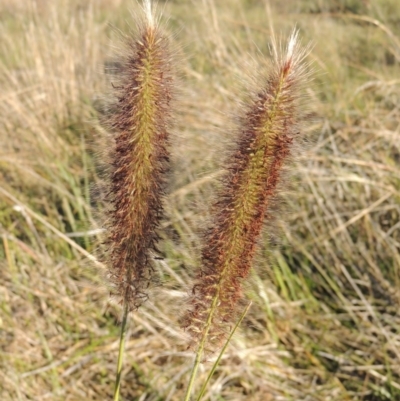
<point x="325" y="321"/>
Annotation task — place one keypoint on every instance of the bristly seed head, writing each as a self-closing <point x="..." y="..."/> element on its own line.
<point x="141" y="122"/>
<point x="265" y="136"/>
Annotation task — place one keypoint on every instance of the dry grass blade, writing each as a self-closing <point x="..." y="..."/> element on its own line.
<point x="324" y="324"/>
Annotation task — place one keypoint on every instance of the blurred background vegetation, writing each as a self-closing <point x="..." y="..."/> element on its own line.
<point x="325" y="322"/>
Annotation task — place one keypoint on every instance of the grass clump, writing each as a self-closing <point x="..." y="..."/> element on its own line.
<point x="324" y="324"/>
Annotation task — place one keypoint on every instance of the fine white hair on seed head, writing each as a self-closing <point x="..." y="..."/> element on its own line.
<point x="148" y="11"/>
<point x="292" y="44"/>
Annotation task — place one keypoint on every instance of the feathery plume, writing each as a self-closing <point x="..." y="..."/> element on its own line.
<point x="265" y="138"/>
<point x="139" y="160"/>
<point x="148" y="12"/>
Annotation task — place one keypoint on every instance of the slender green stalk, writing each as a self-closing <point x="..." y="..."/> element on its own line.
<point x="196" y="364"/>
<point x="217" y="361"/>
<point x="124" y="330"/>
<point x="200" y="350"/>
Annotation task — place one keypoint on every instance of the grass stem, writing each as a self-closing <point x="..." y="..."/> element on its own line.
<point x="193" y="374"/>
<point x="201" y="346"/>
<point x="218" y="360"/>
<point x="124" y="329"/>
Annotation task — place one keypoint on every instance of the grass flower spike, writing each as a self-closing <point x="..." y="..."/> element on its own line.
<point x="266" y="134"/>
<point x="139" y="160"/>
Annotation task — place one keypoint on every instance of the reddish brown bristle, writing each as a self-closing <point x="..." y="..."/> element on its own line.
<point x="253" y="172"/>
<point x="139" y="164"/>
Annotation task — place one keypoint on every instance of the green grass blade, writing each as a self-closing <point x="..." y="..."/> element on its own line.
<point x="124" y="329"/>
<point x="217" y="361"/>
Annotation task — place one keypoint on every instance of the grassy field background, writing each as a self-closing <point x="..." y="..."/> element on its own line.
<point x="325" y="321"/>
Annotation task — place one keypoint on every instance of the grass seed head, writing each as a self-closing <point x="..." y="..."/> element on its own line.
<point x="266" y="133"/>
<point x="139" y="160"/>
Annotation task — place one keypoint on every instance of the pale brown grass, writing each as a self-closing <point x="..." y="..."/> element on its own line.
<point x="325" y="320"/>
